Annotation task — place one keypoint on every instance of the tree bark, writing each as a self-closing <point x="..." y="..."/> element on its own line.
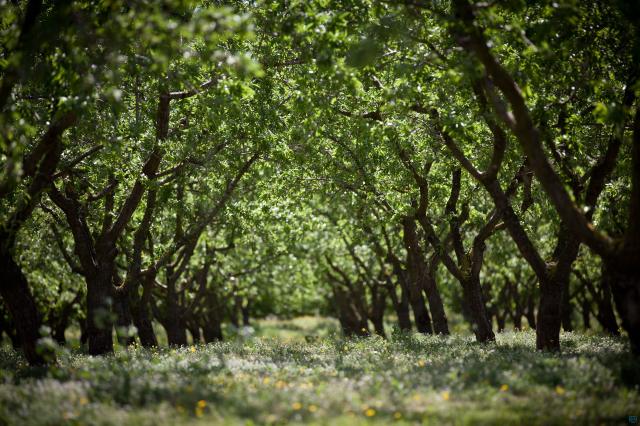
<point x="606" y="317"/>
<point x="141" y="312"/>
<point x="481" y="324"/>
<point x="99" y="314"/>
<point x="625" y="287"/>
<point x="400" y="305"/>
<point x="124" y="317"/>
<point x="22" y="307"/>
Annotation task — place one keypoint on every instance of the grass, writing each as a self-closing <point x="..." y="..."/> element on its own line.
<point x="272" y="378"/>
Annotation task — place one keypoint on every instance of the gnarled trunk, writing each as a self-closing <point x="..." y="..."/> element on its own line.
<point x="142" y="317"/>
<point x="625" y="287"/>
<point x="124" y="318"/>
<point x="481" y="324"/>
<point x="99" y="316"/>
<point x="549" y="318"/>
<point x="246" y="311"/>
<point x="440" y="322"/>
<point x="606" y="317"/>
<point x="22" y="307"/>
<point x="420" y="313"/>
<point x="400" y="305"/>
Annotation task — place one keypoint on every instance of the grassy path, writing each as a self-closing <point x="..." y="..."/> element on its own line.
<point x="267" y="380"/>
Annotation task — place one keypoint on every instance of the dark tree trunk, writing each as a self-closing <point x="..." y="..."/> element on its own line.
<point x="606" y="317"/>
<point x="565" y="254"/>
<point x="350" y="321"/>
<point x="124" y="318"/>
<point x="625" y="287"/>
<point x="142" y="317"/>
<point x="234" y="314"/>
<point x="194" y="329"/>
<point x="174" y="323"/>
<point x="99" y="321"/>
<point x="402" y="310"/>
<point x="378" y="305"/>
<point x="567" y="306"/>
<point x="472" y="294"/>
<point x="378" y="325"/>
<point x="59" y="329"/>
<point x="212" y="325"/>
<point x="586" y="314"/>
<point x="416" y="272"/>
<point x="84" y="338"/>
<point x="15" y="339"/>
<point x="10" y="330"/>
<point x="530" y="313"/>
<point x="246" y="310"/>
<point x="501" y="322"/>
<point x="212" y="330"/>
<point x="548" y="323"/>
<point x="176" y="332"/>
<point x="400" y="305"/>
<point x="517" y="321"/>
<point x="420" y="313"/>
<point x="17" y="296"/>
<point x="440" y="322"/>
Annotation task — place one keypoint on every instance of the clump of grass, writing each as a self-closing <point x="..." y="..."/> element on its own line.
<point x="407" y="379"/>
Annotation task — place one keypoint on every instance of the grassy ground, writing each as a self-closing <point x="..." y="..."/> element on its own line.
<point x="295" y="372"/>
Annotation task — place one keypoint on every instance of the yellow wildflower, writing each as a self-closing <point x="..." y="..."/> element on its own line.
<point x="370" y="412"/>
<point x="560" y="390"/>
<point x="422" y="363"/>
<point x="193" y="348"/>
<point x="199" y="412"/>
<point x="202" y="403"/>
<point x="266" y="380"/>
<point x="313" y="408"/>
<point x="83" y="400"/>
<point x="296" y="406"/>
<point x="504" y="388"/>
<point x="446" y="395"/>
<point x="397" y="415"/>
<point x="280" y="384"/>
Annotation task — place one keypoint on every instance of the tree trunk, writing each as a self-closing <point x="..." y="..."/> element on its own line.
<point x="124" y="318"/>
<point x="142" y="318"/>
<point x="212" y="325"/>
<point x="234" y="314"/>
<point x="517" y="320"/>
<point x="625" y="287"/>
<point x="59" y="329"/>
<point x="481" y="324"/>
<point x="440" y="322"/>
<point x="378" y="305"/>
<point x="402" y="310"/>
<point x="246" y="310"/>
<point x="194" y="329"/>
<point x="401" y="306"/>
<point x="99" y="321"/>
<point x="378" y="325"/>
<point x="586" y="314"/>
<point x="549" y="318"/>
<point x="415" y="275"/>
<point x="21" y="305"/>
<point x="530" y="313"/>
<point x="606" y="317"/>
<point x="176" y="332"/>
<point x="420" y="313"/>
<point x="567" y="306"/>
<point x="212" y="330"/>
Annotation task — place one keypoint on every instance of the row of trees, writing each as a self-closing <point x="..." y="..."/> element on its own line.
<point x="188" y="163"/>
